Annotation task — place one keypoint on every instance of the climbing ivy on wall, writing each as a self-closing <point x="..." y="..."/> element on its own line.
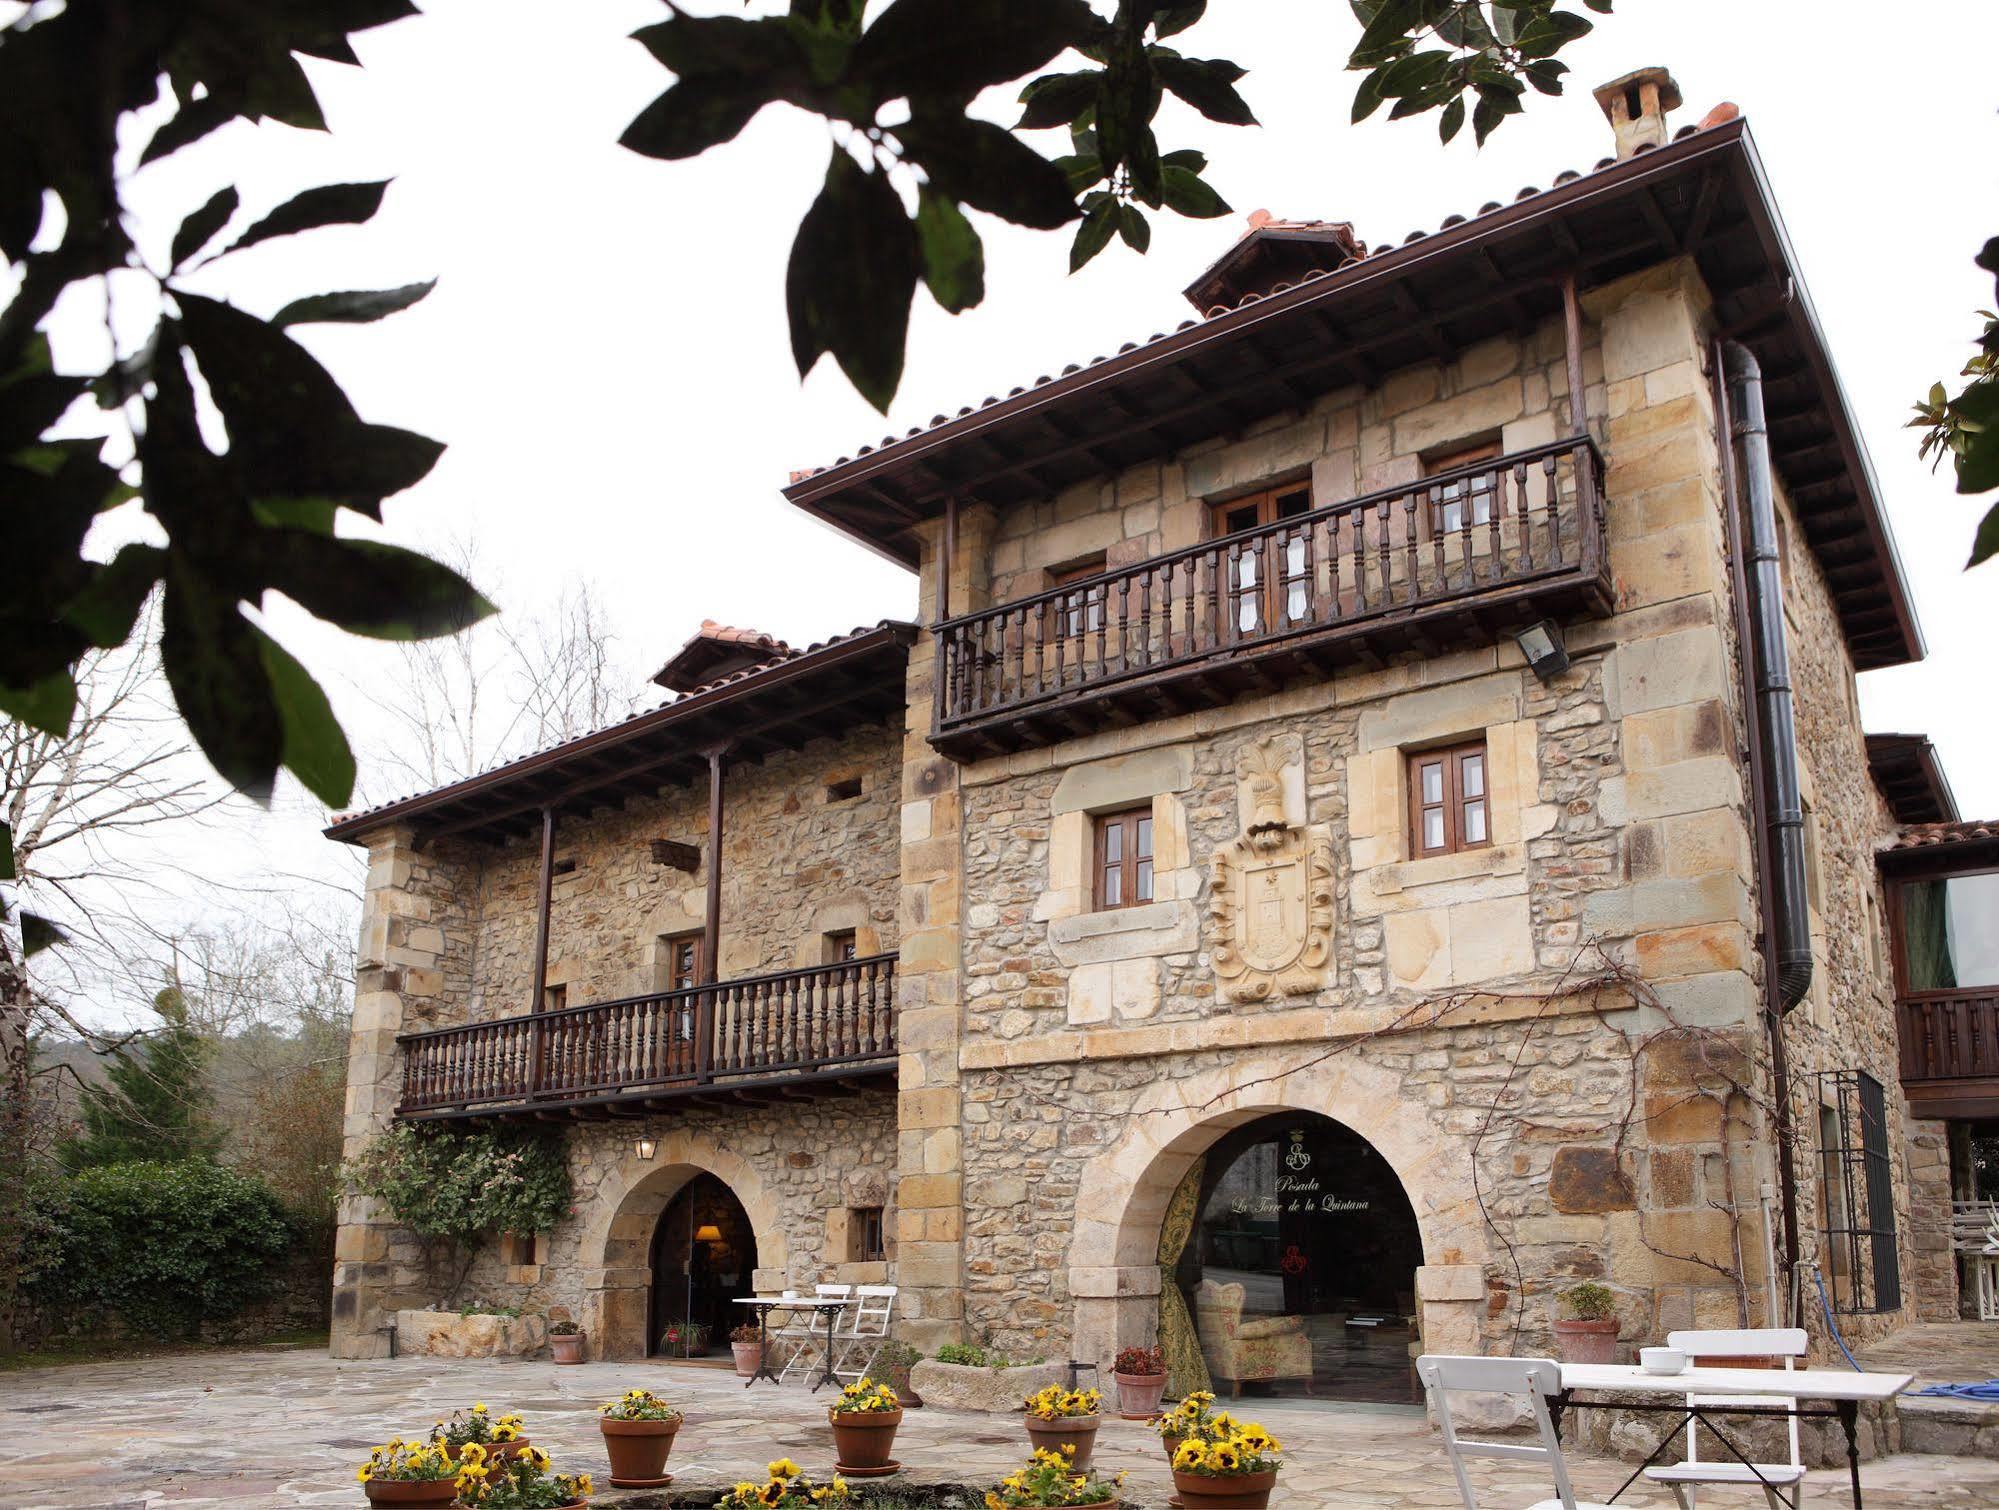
<point x="440" y="1183"/>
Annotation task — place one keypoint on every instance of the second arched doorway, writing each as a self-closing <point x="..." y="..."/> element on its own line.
<point x="1297" y="1269"/>
<point x="702" y="1259"/>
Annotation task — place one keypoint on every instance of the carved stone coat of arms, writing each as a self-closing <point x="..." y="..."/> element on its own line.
<point x="1271" y="913"/>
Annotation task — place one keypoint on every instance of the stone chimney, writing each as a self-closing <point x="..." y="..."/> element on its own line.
<point x="1636" y="107"/>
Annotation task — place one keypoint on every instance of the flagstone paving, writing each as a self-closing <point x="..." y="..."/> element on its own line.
<point x="245" y="1429"/>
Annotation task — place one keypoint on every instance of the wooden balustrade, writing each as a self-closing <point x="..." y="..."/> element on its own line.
<point x="1480" y="541"/>
<point x="810" y="1022"/>
<point x="1949" y="1035"/>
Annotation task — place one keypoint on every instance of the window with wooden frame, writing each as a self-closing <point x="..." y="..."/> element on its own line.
<point x="1123" y="868"/>
<point x="1271" y="582"/>
<point x="1449" y="809"/>
<point x="678" y="963"/>
<point x="1473" y="494"/>
<point x="1080" y="613"/>
<point x="554" y="998"/>
<point x="864" y="1235"/>
<point x="840" y="946"/>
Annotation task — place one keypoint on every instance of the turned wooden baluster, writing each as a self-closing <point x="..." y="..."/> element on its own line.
<point x="1493" y="510"/>
<point x="1554" y="510"/>
<point x="1409" y="559"/>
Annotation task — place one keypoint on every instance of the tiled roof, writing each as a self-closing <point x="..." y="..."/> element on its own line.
<point x="684" y="703"/>
<point x="1566" y="176"/>
<point x="691" y="667"/>
<point x="1929" y="835"/>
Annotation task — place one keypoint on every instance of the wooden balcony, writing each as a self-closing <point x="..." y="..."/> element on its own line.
<point x="1424" y="567"/>
<point x="824" y="1028"/>
<point x="1950" y="1052"/>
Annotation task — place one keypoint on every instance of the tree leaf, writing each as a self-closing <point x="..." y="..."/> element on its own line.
<point x="6" y="851"/>
<point x="47" y="704"/>
<point x="1094" y="234"/>
<point x="352" y="308"/>
<point x="1367" y="97"/>
<point x="954" y="259"/>
<point x="219" y="681"/>
<point x="1133" y="228"/>
<point x="315" y="747"/>
<point x="1171" y="20"/>
<point x="851" y="277"/>
<point x="989" y="168"/>
<point x="189" y="124"/>
<point x="1452" y="120"/>
<point x="1189" y="194"/>
<point x="1208" y="84"/>
<point x="1985" y="544"/>
<point x="368" y="587"/>
<point x="107" y="609"/>
<point x="201" y="227"/>
<point x="1056" y="99"/>
<point x="941" y="50"/>
<point x="38" y="933"/>
<point x="695" y="114"/>
<point x="329" y="204"/>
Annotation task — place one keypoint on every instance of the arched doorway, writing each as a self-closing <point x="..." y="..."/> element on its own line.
<point x="1299" y="1268"/>
<point x="703" y="1254"/>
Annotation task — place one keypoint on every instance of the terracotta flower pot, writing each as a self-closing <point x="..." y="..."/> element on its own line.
<point x="1172" y="1445"/>
<point x="1064" y="1432"/>
<point x="411" y="1491"/>
<point x="863" y="1438"/>
<point x="749" y="1355"/>
<point x="1138" y="1395"/>
<point x="1587" y="1341"/>
<point x="567" y="1346"/>
<point x="638" y="1451"/>
<point x="505" y="1452"/>
<point x="897" y="1379"/>
<point x="1234" y="1491"/>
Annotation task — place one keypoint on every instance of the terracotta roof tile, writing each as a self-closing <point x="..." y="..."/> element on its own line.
<point x="1926" y="835"/>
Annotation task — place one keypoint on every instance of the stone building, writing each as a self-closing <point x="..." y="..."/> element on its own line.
<point x="1370" y="828"/>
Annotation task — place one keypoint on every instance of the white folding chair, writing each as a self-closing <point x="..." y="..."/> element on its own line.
<point x="808" y="1345"/>
<point x="1783" y="1484"/>
<point x="864" y="1330"/>
<point x="1536" y="1378"/>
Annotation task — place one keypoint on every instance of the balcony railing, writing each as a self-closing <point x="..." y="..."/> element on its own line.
<point x="1949" y="1035"/>
<point x="819" y="1022"/>
<point x="1493" y="544"/>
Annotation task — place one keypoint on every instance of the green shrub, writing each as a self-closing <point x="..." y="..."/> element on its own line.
<point x="445" y="1184"/>
<point x="163" y="1247"/>
<point x="1590" y="1301"/>
<point x="962" y="1353"/>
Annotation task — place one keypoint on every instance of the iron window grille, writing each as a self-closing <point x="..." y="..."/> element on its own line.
<point x="1857" y="1208"/>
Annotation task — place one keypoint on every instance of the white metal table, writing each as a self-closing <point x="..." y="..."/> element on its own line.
<point x="1844" y="1389"/>
<point x="831" y="1305"/>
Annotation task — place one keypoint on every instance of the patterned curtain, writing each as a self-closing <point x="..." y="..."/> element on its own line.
<point x="1186" y="1369"/>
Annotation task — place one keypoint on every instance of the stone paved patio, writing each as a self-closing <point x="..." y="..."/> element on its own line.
<point x="281" y="1429"/>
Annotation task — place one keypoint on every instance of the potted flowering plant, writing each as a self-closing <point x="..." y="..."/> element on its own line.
<point x="787" y="1488"/>
<point x="893" y="1361"/>
<point x="1141" y="1379"/>
<point x="638" y="1434"/>
<point x="518" y="1482"/>
<point x="565" y="1339"/>
<point x="1232" y="1469"/>
<point x="864" y="1421"/>
<point x="1049" y="1478"/>
<point x="684" y="1339"/>
<point x="503" y="1437"/>
<point x="747" y="1343"/>
<point x="1190" y="1418"/>
<point x="1064" y="1422"/>
<point x="409" y="1473"/>
<point x="1588" y="1334"/>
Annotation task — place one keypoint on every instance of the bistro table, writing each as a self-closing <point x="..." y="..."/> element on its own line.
<point x="831" y="1305"/>
<point x="1846" y="1391"/>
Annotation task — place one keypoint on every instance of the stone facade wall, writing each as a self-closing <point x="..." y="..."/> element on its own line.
<point x="1620" y="842"/>
<point x="797" y="863"/>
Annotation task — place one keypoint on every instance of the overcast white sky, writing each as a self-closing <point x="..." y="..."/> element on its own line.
<point x="606" y="356"/>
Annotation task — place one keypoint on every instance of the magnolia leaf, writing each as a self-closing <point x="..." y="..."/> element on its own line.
<point x="368" y="587"/>
<point x="853" y="271"/>
<point x="699" y="112"/>
<point x="1056" y="99"/>
<point x="38" y="933"/>
<point x="1133" y="228"/>
<point x="107" y="609"/>
<point x="201" y="227"/>
<point x="47" y="704"/>
<point x="219" y="683"/>
<point x="329" y="204"/>
<point x="989" y="168"/>
<point x="1187" y="193"/>
<point x="315" y="748"/>
<point x="189" y="124"/>
<point x="937" y="50"/>
<point x="954" y="259"/>
<point x="1095" y="233"/>
<point x="352" y="308"/>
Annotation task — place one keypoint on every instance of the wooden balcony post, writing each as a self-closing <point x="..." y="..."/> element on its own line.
<point x="1572" y="332"/>
<point x="711" y="922"/>
<point x="543" y="894"/>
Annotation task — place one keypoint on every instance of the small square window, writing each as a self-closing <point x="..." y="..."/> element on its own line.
<point x="1124" y="859"/>
<point x="840" y="946"/>
<point x="1449" y="807"/>
<point x="554" y="998"/>
<point x="843" y="791"/>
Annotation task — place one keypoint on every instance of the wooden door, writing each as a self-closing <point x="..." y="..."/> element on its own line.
<point x="1269" y="582"/>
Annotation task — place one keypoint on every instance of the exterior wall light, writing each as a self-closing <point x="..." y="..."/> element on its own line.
<point x="1547" y="656"/>
<point x="645" y="1148"/>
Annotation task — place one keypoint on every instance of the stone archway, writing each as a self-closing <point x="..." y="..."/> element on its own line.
<point x="1114" y="1277"/>
<point x="619" y="1240"/>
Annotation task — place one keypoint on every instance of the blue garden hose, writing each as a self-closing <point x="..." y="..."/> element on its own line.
<point x="1819" y="1280"/>
<point x="1989" y="1390"/>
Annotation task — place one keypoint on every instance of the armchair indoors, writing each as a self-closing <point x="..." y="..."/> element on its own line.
<point x="1270" y="1347"/>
